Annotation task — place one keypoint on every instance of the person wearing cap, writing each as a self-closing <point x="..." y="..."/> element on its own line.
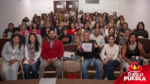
<point x="65" y="37"/>
<point x="24" y="22"/>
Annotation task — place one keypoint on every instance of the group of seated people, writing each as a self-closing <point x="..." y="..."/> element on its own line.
<point x="46" y="36"/>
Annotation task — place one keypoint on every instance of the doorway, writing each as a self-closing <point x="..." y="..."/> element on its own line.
<point x="62" y="6"/>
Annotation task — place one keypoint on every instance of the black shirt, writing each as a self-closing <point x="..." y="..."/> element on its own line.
<point x="8" y="32"/>
<point x="94" y="54"/>
<point x="43" y="31"/>
<point x="83" y="22"/>
<point x="143" y="33"/>
<point x="59" y="31"/>
<point x="66" y="39"/>
<point x="135" y="52"/>
<point x="122" y="30"/>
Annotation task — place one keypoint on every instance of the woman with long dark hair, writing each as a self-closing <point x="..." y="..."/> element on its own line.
<point x="131" y="48"/>
<point x="93" y="20"/>
<point x="65" y="21"/>
<point x="65" y="37"/>
<point x="85" y="27"/>
<point x="78" y="38"/>
<point x="111" y="59"/>
<point x="28" y="21"/>
<point x="12" y="53"/>
<point x="140" y="30"/>
<point x="111" y="31"/>
<point x="32" y="54"/>
<point x="83" y="19"/>
<point x="120" y="25"/>
<point x="119" y="20"/>
<point x="96" y="26"/>
<point x="34" y="25"/>
<point x="56" y="23"/>
<point x="97" y="16"/>
<point x="45" y="38"/>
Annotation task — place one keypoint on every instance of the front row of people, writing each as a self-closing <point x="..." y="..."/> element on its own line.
<point x="53" y="49"/>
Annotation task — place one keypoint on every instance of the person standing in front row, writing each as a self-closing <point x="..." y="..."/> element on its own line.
<point x="12" y="53"/>
<point x="32" y="55"/>
<point x="90" y="58"/>
<point x="52" y="50"/>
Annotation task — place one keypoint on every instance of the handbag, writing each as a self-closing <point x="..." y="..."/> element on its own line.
<point x="138" y="59"/>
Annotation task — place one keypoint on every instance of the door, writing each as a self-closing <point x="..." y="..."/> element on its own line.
<point x="59" y="6"/>
<point x="72" y="4"/>
<point x="62" y="6"/>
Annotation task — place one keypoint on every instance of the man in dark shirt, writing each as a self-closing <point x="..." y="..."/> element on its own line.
<point x="8" y="33"/>
<point x="59" y="29"/>
<point x="90" y="58"/>
<point x="48" y="25"/>
<point x="17" y="31"/>
<point x="73" y="19"/>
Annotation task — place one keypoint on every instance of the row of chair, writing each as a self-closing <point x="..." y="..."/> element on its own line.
<point x="73" y="48"/>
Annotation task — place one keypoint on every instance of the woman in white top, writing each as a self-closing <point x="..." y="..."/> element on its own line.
<point x="32" y="55"/>
<point x="80" y="14"/>
<point x="72" y="12"/>
<point x="107" y="30"/>
<point x="111" y="59"/>
<point x="66" y="14"/>
<point x="65" y="21"/>
<point x="93" y="20"/>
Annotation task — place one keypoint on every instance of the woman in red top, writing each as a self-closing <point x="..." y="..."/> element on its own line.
<point x="72" y="29"/>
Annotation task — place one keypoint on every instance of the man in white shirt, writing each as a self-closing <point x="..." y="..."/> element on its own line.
<point x="99" y="39"/>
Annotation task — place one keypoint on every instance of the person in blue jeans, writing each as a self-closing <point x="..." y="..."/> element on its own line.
<point x="32" y="54"/>
<point x="90" y="58"/>
<point x="111" y="60"/>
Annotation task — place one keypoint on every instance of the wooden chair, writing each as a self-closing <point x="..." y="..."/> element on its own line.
<point x="146" y="47"/>
<point x="2" y="41"/>
<point x="68" y="63"/>
<point x="0" y="69"/>
<point x="19" y="70"/>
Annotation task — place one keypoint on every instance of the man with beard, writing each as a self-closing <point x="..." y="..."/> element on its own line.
<point x="52" y="50"/>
